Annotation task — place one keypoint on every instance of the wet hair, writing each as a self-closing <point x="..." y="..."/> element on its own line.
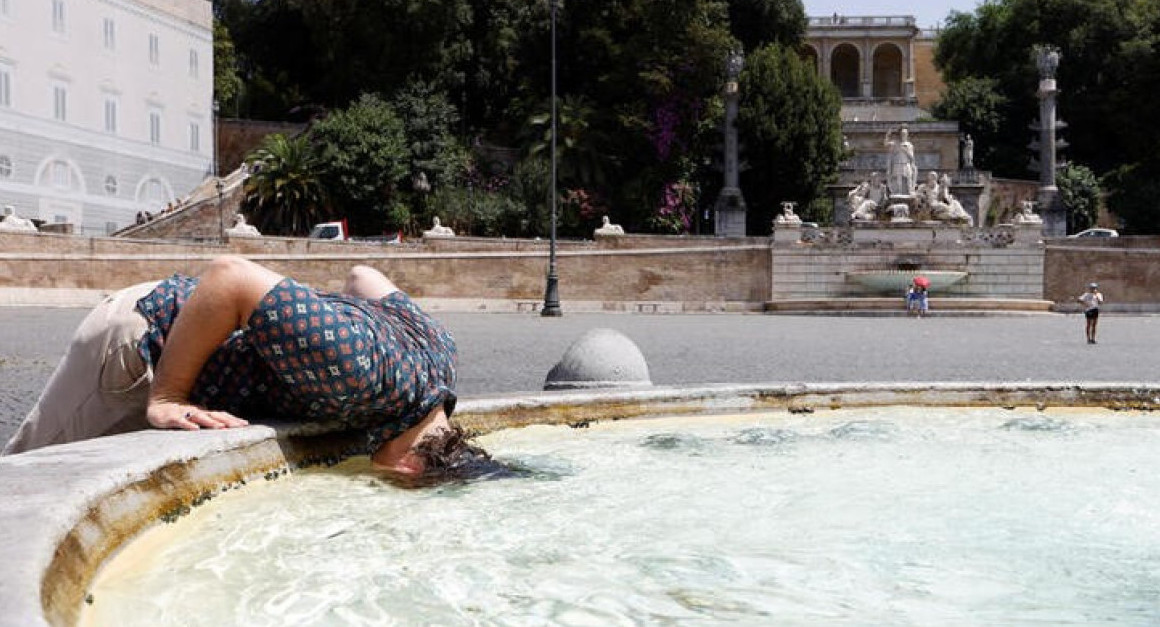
<point x="449" y="456"/>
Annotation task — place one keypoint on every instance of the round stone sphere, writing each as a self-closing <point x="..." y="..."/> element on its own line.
<point x="601" y="358"/>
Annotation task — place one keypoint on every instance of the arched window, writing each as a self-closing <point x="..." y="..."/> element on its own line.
<point x="154" y="193"/>
<point x="844" y="70"/>
<point x="887" y="71"/>
<point x="61" y="175"/>
<point x="810" y="56"/>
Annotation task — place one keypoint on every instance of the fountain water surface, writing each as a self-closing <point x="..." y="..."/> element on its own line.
<point x="880" y="515"/>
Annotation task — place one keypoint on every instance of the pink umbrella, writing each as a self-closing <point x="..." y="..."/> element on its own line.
<point x="922" y="282"/>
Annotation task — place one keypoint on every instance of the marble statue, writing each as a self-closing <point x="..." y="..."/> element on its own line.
<point x="13" y="222"/>
<point x="935" y="200"/>
<point x="438" y="230"/>
<point x="788" y="217"/>
<point x="241" y="228"/>
<point x="1026" y="214"/>
<point x="607" y="228"/>
<point x="968" y="153"/>
<point x="954" y="208"/>
<point x="901" y="170"/>
<point x="865" y="199"/>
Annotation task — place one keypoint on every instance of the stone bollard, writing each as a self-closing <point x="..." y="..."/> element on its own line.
<point x="601" y="358"/>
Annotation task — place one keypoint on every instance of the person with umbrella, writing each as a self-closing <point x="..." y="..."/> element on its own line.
<point x="916" y="297"/>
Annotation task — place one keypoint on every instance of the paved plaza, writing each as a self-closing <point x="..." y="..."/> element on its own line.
<point x="501" y="353"/>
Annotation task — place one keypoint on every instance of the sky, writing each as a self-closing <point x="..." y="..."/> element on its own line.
<point x="928" y="13"/>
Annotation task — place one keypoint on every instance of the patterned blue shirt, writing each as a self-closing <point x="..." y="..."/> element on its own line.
<point x="327" y="362"/>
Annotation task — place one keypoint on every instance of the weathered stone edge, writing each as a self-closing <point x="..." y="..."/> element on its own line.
<point x="68" y="508"/>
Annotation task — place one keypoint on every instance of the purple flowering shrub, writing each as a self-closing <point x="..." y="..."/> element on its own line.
<point x="678" y="205"/>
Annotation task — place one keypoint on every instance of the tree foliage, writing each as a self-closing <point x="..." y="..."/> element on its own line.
<point x="980" y="109"/>
<point x="789" y="119"/>
<point x="227" y="84"/>
<point x="638" y="84"/>
<point x="284" y="195"/>
<point x="756" y="23"/>
<point x="1079" y="191"/>
<point x="1108" y="76"/>
<point x="364" y="154"/>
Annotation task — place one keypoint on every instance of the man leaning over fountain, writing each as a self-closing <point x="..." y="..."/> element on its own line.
<point x="242" y="341"/>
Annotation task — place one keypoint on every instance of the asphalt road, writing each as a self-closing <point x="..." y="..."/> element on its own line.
<point x="513" y="352"/>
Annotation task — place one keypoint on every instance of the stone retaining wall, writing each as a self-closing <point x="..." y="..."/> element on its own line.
<point x="1129" y="275"/>
<point x="708" y="274"/>
<point x="684" y="272"/>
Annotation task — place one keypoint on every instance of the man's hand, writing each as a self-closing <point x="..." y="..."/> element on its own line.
<point x="168" y="415"/>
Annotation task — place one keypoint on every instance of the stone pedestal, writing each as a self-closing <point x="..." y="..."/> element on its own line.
<point x="730" y="213"/>
<point x="839" y="195"/>
<point x="1052" y="211"/>
<point x="900" y="208"/>
<point x="968" y="195"/>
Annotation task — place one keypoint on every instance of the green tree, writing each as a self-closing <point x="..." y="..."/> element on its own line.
<point x="363" y="150"/>
<point x="227" y="84"/>
<point x="790" y="126"/>
<point x="428" y="123"/>
<point x="582" y="149"/>
<point x="758" y="22"/>
<point x="979" y="108"/>
<point x="1108" y="75"/>
<point x="1079" y="191"/>
<point x="283" y="194"/>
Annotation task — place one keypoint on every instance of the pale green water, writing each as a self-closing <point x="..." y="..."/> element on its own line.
<point x="905" y="516"/>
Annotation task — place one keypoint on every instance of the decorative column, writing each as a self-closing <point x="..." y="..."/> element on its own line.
<point x="730" y="207"/>
<point x="1050" y="206"/>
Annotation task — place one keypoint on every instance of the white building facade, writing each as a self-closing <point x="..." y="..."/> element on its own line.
<point x="106" y="107"/>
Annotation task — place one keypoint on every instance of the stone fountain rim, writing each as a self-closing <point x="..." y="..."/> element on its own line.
<point x="68" y="508"/>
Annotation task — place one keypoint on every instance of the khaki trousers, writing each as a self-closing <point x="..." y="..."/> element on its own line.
<point x="100" y="386"/>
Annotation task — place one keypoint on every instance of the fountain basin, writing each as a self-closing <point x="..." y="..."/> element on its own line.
<point x="896" y="281"/>
<point x="68" y="508"/>
<point x="887" y="515"/>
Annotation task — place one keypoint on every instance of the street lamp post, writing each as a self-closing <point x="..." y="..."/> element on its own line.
<point x="221" y="211"/>
<point x="551" y="291"/>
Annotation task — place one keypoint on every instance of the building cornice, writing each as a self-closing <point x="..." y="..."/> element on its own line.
<point x="154" y="12"/>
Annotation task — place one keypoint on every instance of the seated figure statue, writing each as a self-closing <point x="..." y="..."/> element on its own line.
<point x="928" y="203"/>
<point x="865" y="199"/>
<point x="788" y="217"/>
<point x="438" y="230"/>
<point x="241" y="228"/>
<point x="954" y="211"/>
<point x="607" y="228"/>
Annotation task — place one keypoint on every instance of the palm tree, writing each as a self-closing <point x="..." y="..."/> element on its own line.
<point x="283" y="194"/>
<point x="581" y="152"/>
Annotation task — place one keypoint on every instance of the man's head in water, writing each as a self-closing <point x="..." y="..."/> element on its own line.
<point x="434" y="451"/>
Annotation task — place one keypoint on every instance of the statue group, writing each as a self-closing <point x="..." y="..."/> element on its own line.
<point x="901" y="194"/>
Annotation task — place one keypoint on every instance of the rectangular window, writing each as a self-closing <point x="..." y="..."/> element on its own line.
<point x="154" y="127"/>
<point x="5" y="87"/>
<point x="58" y="16"/>
<point x="111" y="116"/>
<point x="61" y="176"/>
<point x="110" y="34"/>
<point x="193" y="69"/>
<point x="194" y="137"/>
<point x="60" y="103"/>
<point x="154" y="50"/>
